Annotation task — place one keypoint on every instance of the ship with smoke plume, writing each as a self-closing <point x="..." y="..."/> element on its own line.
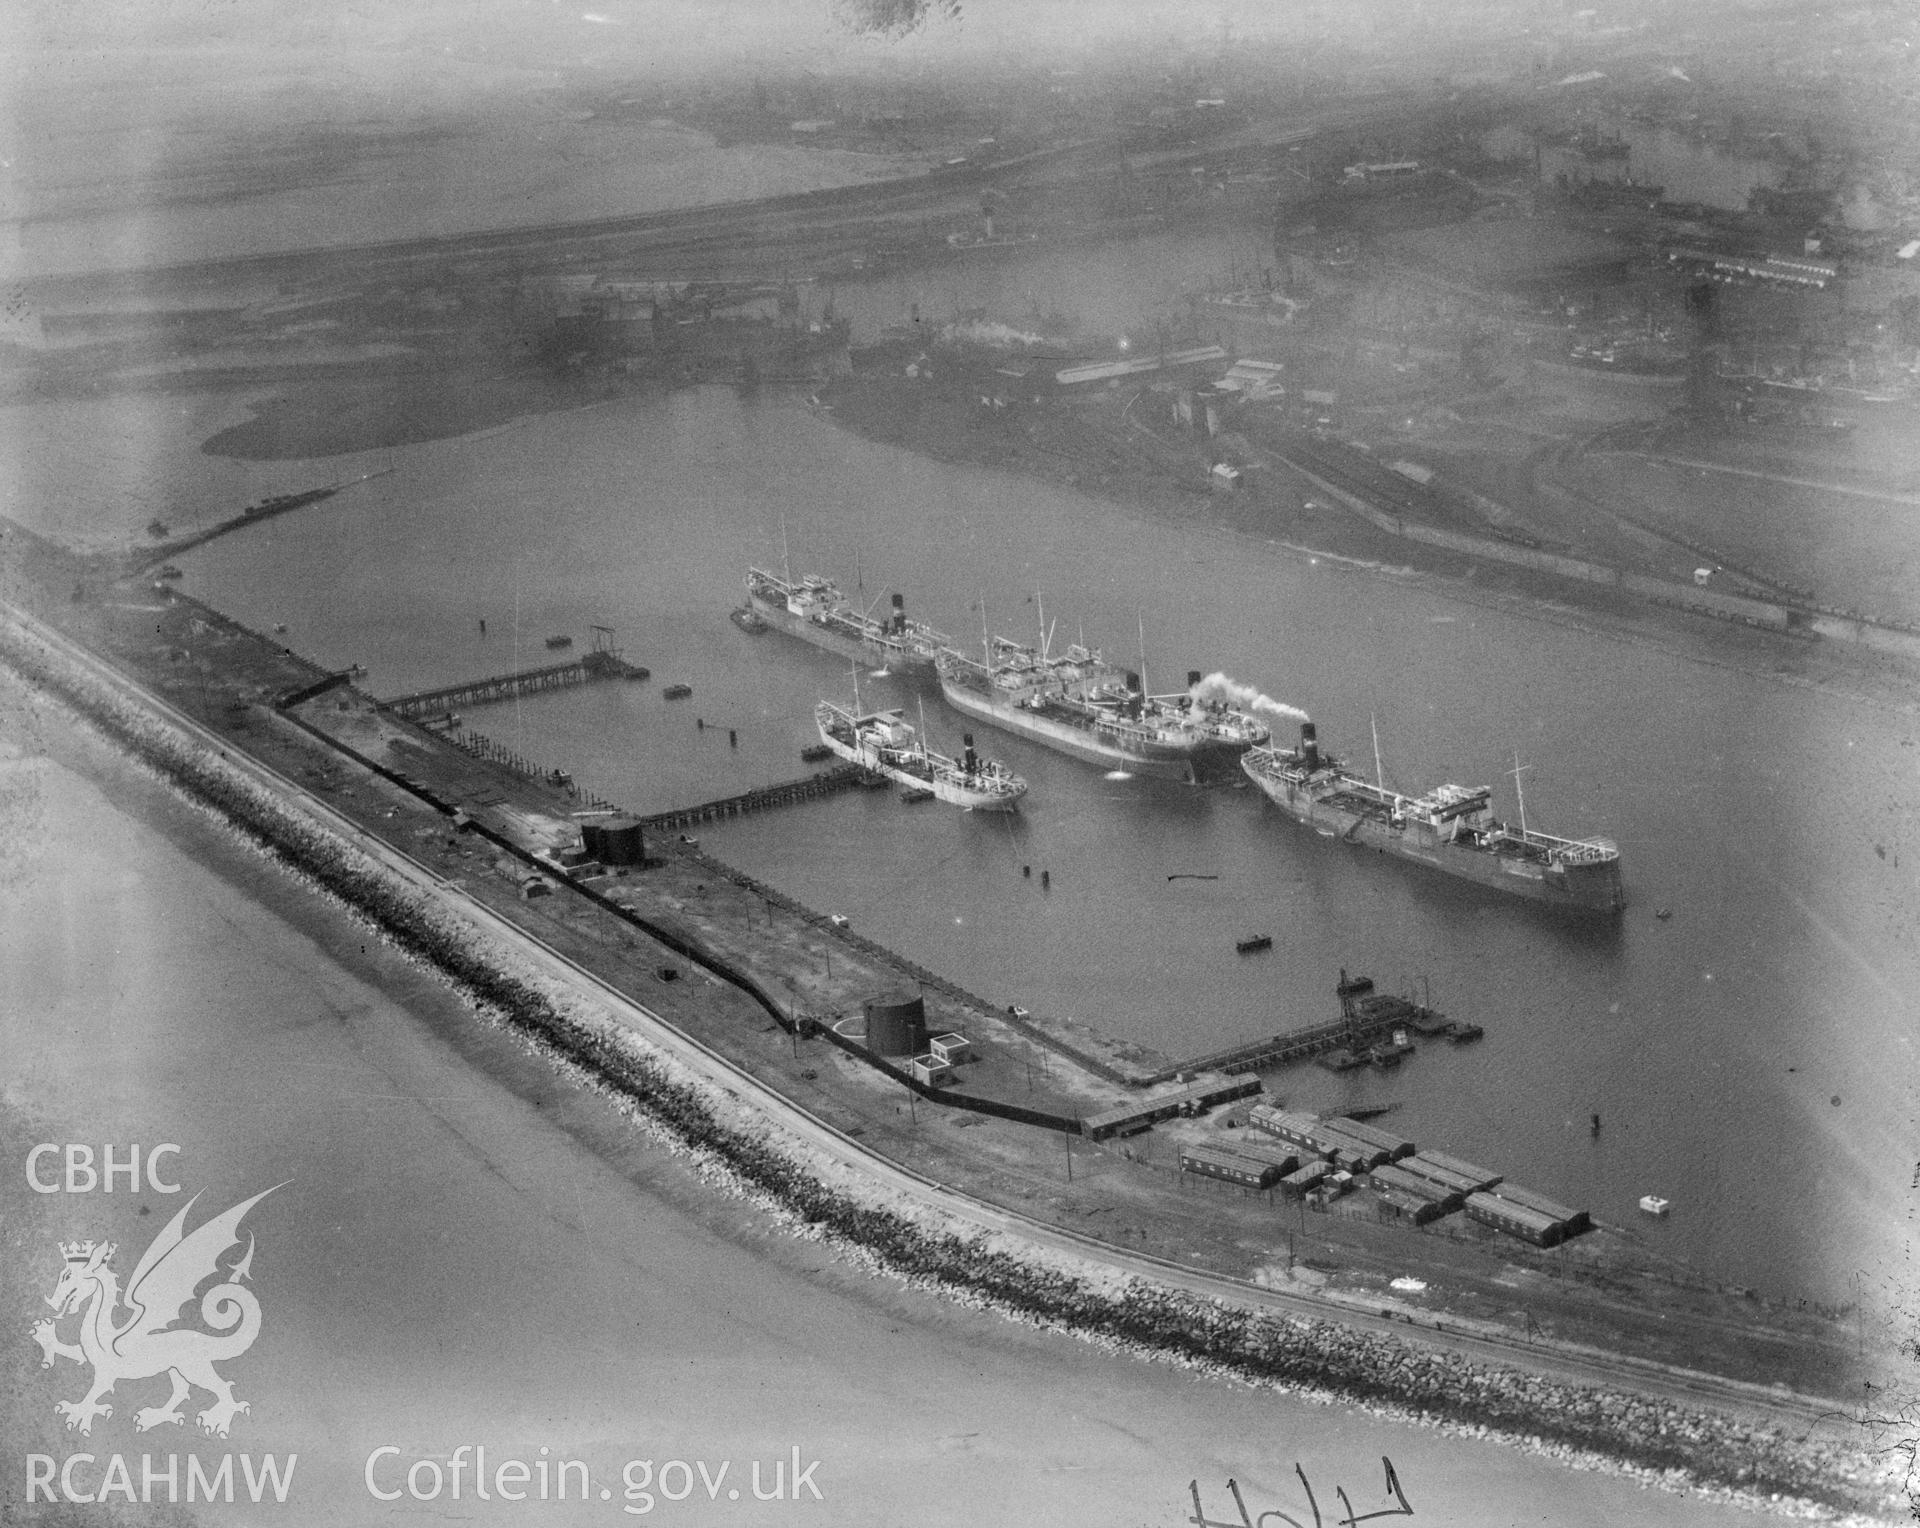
<point x="1077" y="703"/>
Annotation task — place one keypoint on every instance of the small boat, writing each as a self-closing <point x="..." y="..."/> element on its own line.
<point x="1462" y="1033"/>
<point x="169" y="571"/>
<point x="748" y="620"/>
<point x="557" y="643"/>
<point x="914" y="795"/>
<point x="1654" y="1205"/>
<point x="1256" y="943"/>
<point x="677" y="691"/>
<point x="815" y="753"/>
<point x="1663" y="913"/>
<point x="560" y="778"/>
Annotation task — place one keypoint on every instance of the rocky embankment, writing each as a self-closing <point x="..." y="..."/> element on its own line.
<point x="1680" y="1447"/>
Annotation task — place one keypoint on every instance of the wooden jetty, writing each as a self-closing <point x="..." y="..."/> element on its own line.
<point x="1366" y="1018"/>
<point x="827" y="783"/>
<point x="601" y="663"/>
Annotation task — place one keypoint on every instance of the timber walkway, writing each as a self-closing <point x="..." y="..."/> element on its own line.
<point x="598" y="664"/>
<point x="828" y="782"/>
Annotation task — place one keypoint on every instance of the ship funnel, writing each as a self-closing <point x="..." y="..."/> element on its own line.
<point x="1193" y="678"/>
<point x="899" y="614"/>
<point x="968" y="759"/>
<point x="1309" y="746"/>
<point x="1133" y="681"/>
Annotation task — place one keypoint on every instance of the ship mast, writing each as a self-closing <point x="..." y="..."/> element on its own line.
<point x="986" y="642"/>
<point x="786" y="562"/>
<point x="1517" y="770"/>
<point x="923" y="728"/>
<point x="1144" y="690"/>
<point x="1040" y="611"/>
<point x="1379" y="774"/>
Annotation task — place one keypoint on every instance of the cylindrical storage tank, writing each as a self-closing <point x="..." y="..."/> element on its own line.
<point x="615" y="841"/>
<point x="897" y="1026"/>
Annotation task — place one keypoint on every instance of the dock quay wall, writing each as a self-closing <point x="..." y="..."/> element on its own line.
<point x="687" y="949"/>
<point x="718" y="965"/>
<point x="707" y="960"/>
<point x="1323" y="1357"/>
<point x="933" y="981"/>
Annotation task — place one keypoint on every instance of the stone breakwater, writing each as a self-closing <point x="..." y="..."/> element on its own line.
<point x="1664" y="1443"/>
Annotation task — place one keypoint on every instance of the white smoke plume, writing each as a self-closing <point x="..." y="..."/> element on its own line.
<point x="1218" y="688"/>
<point x="983" y="332"/>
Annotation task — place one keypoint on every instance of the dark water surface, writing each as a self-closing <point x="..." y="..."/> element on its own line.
<point x="1751" y="1057"/>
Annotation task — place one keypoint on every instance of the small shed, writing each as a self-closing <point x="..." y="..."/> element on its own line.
<point x="951" y="1049"/>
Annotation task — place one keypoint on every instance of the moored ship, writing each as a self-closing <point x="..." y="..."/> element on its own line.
<point x="883" y="742"/>
<point x="815" y="611"/>
<point x="1080" y="705"/>
<point x="1450" y="828"/>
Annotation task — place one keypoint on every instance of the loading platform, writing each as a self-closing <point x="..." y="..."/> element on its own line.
<point x="601" y="663"/>
<point x="829" y="782"/>
<point x="1367" y="1021"/>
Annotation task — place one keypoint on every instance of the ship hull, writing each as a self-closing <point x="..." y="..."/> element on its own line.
<point x="872" y="653"/>
<point x="1206" y="760"/>
<point x="952" y="792"/>
<point x="1586" y="888"/>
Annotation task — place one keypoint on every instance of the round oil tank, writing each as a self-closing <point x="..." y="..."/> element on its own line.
<point x="897" y="1026"/>
<point x="614" y="841"/>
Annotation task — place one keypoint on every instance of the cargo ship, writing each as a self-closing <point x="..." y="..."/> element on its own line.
<point x="1450" y="828"/>
<point x="816" y="611"/>
<point x="1080" y="705"/>
<point x="883" y="742"/>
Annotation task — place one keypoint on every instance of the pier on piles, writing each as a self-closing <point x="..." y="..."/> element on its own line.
<point x="1366" y="1019"/>
<point x="604" y="662"/>
<point x="828" y="782"/>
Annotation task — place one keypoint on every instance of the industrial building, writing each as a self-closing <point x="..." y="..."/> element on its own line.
<point x="1351" y="1146"/>
<point x="1424" y="1198"/>
<point x="1229" y="1165"/>
<point x="1394" y="1146"/>
<point x="951" y="1049"/>
<point x="1298" y="1184"/>
<point x="1296" y="1129"/>
<point x="1515" y="1219"/>
<point x="1450" y="1172"/>
<point x="1575" y="1221"/>
<point x="1249" y="1144"/>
